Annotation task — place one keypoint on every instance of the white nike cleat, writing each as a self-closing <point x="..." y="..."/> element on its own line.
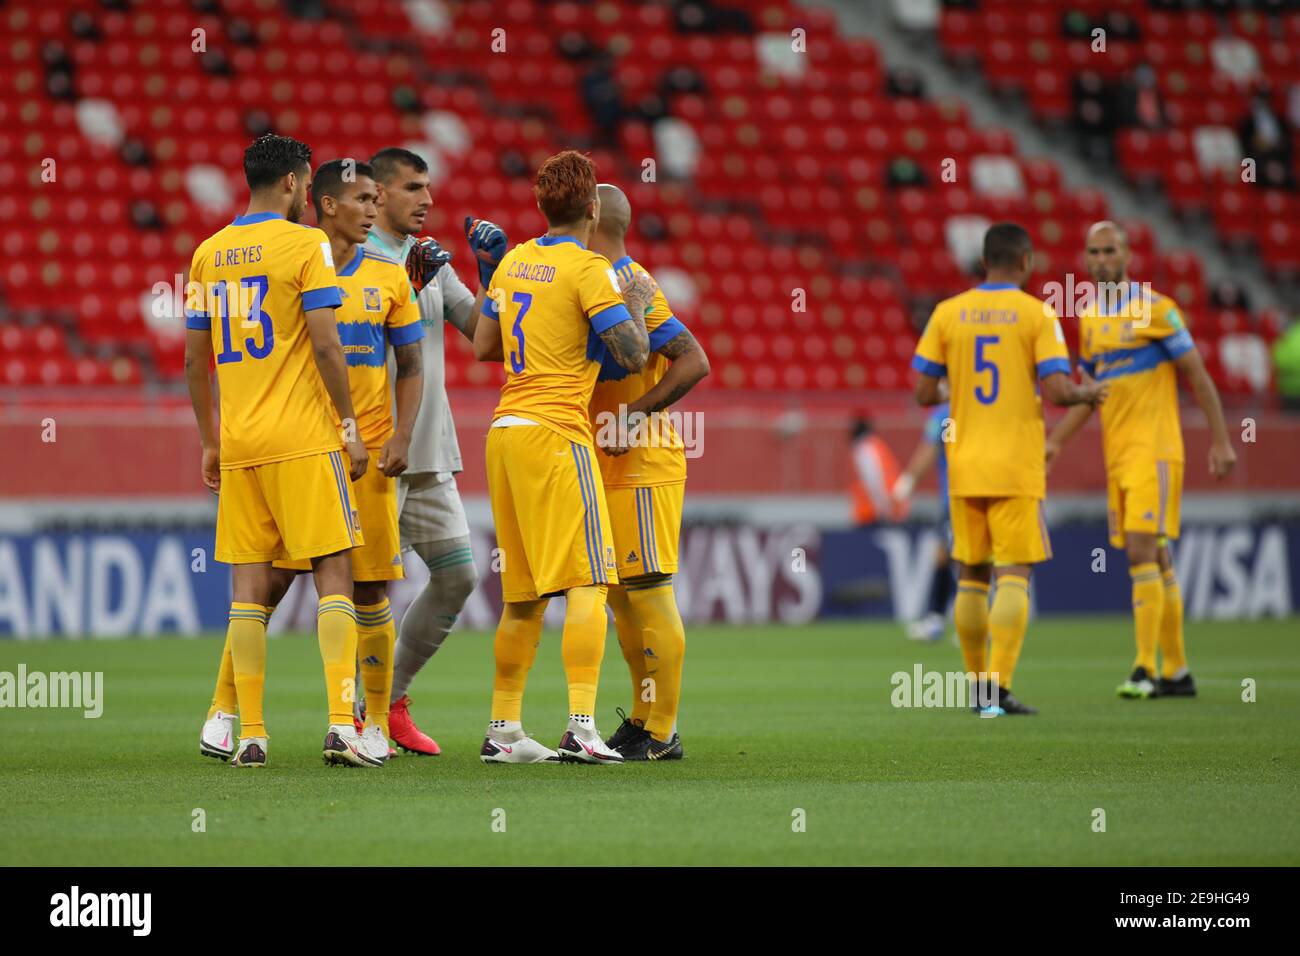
<point x="581" y="743"/>
<point x="514" y="747"/>
<point x="374" y="744"/>
<point x="218" y="736"/>
<point x="252" y="753"/>
<point x="344" y="748"/>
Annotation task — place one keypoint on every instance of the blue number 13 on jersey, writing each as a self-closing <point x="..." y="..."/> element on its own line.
<point x="983" y="364"/>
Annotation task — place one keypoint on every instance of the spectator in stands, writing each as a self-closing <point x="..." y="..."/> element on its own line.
<point x="703" y="16"/>
<point x="1286" y="359"/>
<point x="875" y="470"/>
<point x="1266" y="138"/>
<point x="1141" y="106"/>
<point x="1094" y="115"/>
<point x="601" y="94"/>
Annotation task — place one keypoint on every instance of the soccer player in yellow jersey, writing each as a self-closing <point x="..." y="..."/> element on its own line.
<point x="378" y="310"/>
<point x="643" y="468"/>
<point x="556" y="308"/>
<point x="997" y="346"/>
<point x="261" y="298"/>
<point x="1134" y="339"/>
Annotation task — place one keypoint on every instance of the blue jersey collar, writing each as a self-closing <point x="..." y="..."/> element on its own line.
<point x="255" y="218"/>
<point x="355" y="264"/>
<point x="556" y="240"/>
<point x="996" y="286"/>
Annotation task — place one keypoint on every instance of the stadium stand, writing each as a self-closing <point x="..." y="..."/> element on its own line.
<point x="796" y="206"/>
<point x="1177" y="96"/>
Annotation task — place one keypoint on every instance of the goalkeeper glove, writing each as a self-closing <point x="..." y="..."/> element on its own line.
<point x="423" y="262"/>
<point x="488" y="242"/>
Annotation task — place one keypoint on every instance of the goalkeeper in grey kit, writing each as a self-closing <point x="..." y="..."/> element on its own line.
<point x="431" y="516"/>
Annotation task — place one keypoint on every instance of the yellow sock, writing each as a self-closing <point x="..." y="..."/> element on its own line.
<point x="1172" y="653"/>
<point x="1148" y="603"/>
<point x="970" y="613"/>
<point x="628" y="631"/>
<point x="664" y="640"/>
<point x="336" y="628"/>
<point x="376" y="635"/>
<point x="518" y="635"/>
<point x="1008" y="619"/>
<point x="246" y="640"/>
<point x="584" y="644"/>
<point x="224" y="698"/>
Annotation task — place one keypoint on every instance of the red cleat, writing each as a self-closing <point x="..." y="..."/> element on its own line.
<point x="402" y="730"/>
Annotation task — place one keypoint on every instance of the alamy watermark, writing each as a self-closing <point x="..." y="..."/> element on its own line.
<point x="1121" y="300"/>
<point x="922" y="688"/>
<point x="78" y="690"/>
<point x="664" y="429"/>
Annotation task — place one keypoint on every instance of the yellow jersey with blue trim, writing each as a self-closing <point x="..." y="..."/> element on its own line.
<point x="1132" y="343"/>
<point x="993" y="343"/>
<point x="250" y="285"/>
<point x="379" y="309"/>
<point x="655" y="454"/>
<point x="552" y="297"/>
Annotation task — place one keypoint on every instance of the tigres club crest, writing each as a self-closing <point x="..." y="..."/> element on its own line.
<point x="371" y="299"/>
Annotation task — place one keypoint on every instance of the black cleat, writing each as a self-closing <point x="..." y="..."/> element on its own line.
<point x="635" y="744"/>
<point x="670" y="750"/>
<point x="1010" y="704"/>
<point x="1176" y="686"/>
<point x="1139" y="685"/>
<point x="626" y="731"/>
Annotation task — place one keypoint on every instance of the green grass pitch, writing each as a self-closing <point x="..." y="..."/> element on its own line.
<point x="775" y="720"/>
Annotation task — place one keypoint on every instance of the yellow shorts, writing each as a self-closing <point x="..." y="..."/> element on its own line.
<point x="300" y="508"/>
<point x="1145" y="500"/>
<point x="548" y="504"/>
<point x="379" y="556"/>
<point x="647" y="524"/>
<point x="1001" y="530"/>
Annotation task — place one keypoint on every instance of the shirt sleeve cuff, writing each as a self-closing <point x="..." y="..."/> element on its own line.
<point x="324" y="298"/>
<point x="405" y="334"/>
<point x="490" y="309"/>
<point x="1178" y="344"/>
<point x="1089" y="367"/>
<point x="199" y="321"/>
<point x="1052" y="366"/>
<point x="923" y="365"/>
<point x="668" y="330"/>
<point x="608" y="318"/>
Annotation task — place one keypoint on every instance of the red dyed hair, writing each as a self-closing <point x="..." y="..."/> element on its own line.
<point x="565" y="184"/>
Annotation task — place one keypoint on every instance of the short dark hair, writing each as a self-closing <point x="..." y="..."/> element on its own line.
<point x="269" y="158"/>
<point x="565" y="184"/>
<point x="1005" y="245"/>
<point x="387" y="161"/>
<point x="329" y="180"/>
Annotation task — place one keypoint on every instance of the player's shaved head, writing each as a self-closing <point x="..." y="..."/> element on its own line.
<point x="1106" y="252"/>
<point x="615" y="212"/>
<point x="1097" y="230"/>
<point x="1005" y="246"/>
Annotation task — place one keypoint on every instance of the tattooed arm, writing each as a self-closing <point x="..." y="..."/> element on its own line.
<point x="628" y="343"/>
<point x="689" y="366"/>
<point x="409" y="389"/>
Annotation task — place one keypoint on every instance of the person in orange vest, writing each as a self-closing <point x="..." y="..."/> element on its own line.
<point x="875" y="469"/>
